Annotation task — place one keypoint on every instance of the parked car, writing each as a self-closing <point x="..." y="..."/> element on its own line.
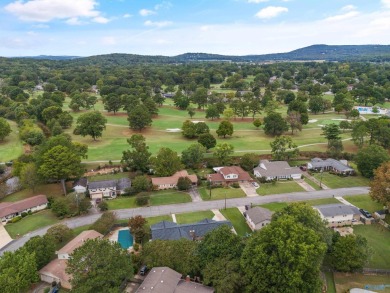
<point x="143" y="270"/>
<point x="303" y="168"/>
<point x="255" y="184"/>
<point x="365" y="213"/>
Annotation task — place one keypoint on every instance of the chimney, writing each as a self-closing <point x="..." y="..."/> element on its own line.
<point x="188" y="279"/>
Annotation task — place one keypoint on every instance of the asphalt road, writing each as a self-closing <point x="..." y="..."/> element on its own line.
<point x="194" y="206"/>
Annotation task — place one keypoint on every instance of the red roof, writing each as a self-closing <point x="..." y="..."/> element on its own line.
<point x="218" y="177"/>
<point x="9" y="208"/>
<point x="79" y="240"/>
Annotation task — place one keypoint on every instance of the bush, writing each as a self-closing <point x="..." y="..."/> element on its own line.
<point x="2" y="169"/>
<point x="136" y="246"/>
<point x="142" y="199"/>
<point x="104" y="223"/>
<point x="46" y="290"/>
<point x="235" y="185"/>
<point x="184" y="183"/>
<point x="29" y="212"/>
<point x="24" y="214"/>
<point x="103" y="206"/>
<point x="16" y="219"/>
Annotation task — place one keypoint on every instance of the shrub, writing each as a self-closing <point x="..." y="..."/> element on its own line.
<point x="2" y="169"/>
<point x="104" y="223"/>
<point x="235" y="185"/>
<point x="103" y="206"/>
<point x="184" y="183"/>
<point x="16" y="219"/>
<point x="46" y="290"/>
<point x="29" y="212"/>
<point x="142" y="199"/>
<point x="24" y="214"/>
<point x="136" y="246"/>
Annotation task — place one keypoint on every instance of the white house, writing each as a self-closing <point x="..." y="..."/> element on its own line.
<point x="338" y="215"/>
<point x="276" y="170"/>
<point x="258" y="218"/>
<point x="80" y="186"/>
<point x="9" y="210"/>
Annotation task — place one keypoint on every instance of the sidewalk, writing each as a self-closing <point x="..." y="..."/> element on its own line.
<point x="218" y="216"/>
<point x="315" y="181"/>
<point x="4" y="236"/>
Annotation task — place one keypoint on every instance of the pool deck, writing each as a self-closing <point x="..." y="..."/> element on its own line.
<point x="114" y="236"/>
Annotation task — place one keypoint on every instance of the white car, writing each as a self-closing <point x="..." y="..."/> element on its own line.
<point x="255" y="184"/>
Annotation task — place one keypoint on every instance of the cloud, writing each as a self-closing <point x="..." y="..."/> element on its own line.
<point x="127" y="15"/>
<point x="146" y="12"/>
<point x="158" y="23"/>
<point x="48" y="10"/>
<point x="100" y="19"/>
<point x="163" y="5"/>
<point x="257" y="1"/>
<point x="386" y="3"/>
<point x="343" y="16"/>
<point x="74" y="21"/>
<point x="108" y="40"/>
<point x="349" y="8"/>
<point x="270" y="12"/>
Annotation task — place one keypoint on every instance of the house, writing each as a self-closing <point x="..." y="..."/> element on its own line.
<point x="167" y="230"/>
<point x="9" y="210"/>
<point x="339" y="167"/>
<point x="338" y="215"/>
<point x="80" y="186"/>
<point x="166" y="280"/>
<point x="171" y="181"/>
<point x="56" y="269"/>
<point x="227" y="175"/>
<point x="276" y="170"/>
<point x="258" y="217"/>
<point x="108" y="189"/>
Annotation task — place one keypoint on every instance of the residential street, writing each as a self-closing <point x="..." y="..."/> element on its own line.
<point x="196" y="206"/>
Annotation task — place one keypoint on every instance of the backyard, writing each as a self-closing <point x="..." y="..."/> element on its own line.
<point x="53" y="189"/>
<point x="279" y="187"/>
<point x="237" y="220"/>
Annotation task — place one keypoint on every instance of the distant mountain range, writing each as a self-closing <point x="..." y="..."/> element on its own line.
<point x="374" y="53"/>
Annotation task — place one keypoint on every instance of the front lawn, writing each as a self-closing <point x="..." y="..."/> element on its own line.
<point x="274" y="206"/>
<point x="193" y="217"/>
<point x="221" y="193"/>
<point x="321" y="201"/>
<point x="168" y="197"/>
<point x="154" y="220"/>
<point x="331" y="287"/>
<point x="124" y="202"/>
<point x="311" y="183"/>
<point x="364" y="201"/>
<point x="237" y="220"/>
<point x="378" y="238"/>
<point x="31" y="223"/>
<point x="335" y="181"/>
<point x="279" y="187"/>
<point x="345" y="282"/>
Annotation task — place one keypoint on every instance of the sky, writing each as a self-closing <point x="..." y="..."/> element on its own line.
<point x="172" y="27"/>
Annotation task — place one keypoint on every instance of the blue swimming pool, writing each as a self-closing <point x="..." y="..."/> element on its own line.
<point x="125" y="239"/>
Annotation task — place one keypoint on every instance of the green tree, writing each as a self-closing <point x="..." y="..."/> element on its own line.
<point x="285" y="256"/>
<point x="137" y="226"/>
<point x="137" y="158"/>
<point x="139" y="118"/>
<point x="223" y="151"/>
<point x="316" y="104"/>
<point x="184" y="183"/>
<point x="99" y="265"/>
<point x="43" y="248"/>
<point x="51" y="112"/>
<point x="228" y="114"/>
<point x="192" y="156"/>
<point x="151" y="106"/>
<point x="201" y="128"/>
<point x="166" y="163"/>
<point x="191" y="111"/>
<point x="141" y="183"/>
<point x="212" y="112"/>
<point x="225" y="128"/>
<point x="188" y="129"/>
<point x="248" y="161"/>
<point x="345" y="125"/>
<point x="331" y="132"/>
<point x="349" y="253"/>
<point x="29" y="177"/>
<point x="61" y="207"/>
<point x="18" y="270"/>
<point x="257" y="123"/>
<point x="5" y="129"/>
<point x="92" y="123"/>
<point x="283" y="148"/>
<point x="359" y="133"/>
<point x="380" y="185"/>
<point x="65" y="119"/>
<point x="370" y="158"/>
<point x="274" y="124"/>
<point x="207" y="140"/>
<point x="112" y="102"/>
<point x="60" y="233"/>
<point x="104" y="223"/>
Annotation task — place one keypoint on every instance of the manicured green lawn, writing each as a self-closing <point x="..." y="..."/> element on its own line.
<point x="194" y="217"/>
<point x="221" y="193"/>
<point x="169" y="197"/>
<point x="78" y="230"/>
<point x="11" y="147"/>
<point x="54" y="189"/>
<point x="345" y="282"/>
<point x="274" y="206"/>
<point x="155" y="220"/>
<point x="364" y="201"/>
<point x="334" y="181"/>
<point x="321" y="201"/>
<point x="124" y="202"/>
<point x="31" y="223"/>
<point x="237" y="220"/>
<point x="331" y="287"/>
<point x="108" y="176"/>
<point x="279" y="187"/>
<point x="378" y="238"/>
<point x="312" y="184"/>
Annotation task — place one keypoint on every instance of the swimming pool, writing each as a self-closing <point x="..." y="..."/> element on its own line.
<point x="125" y="239"/>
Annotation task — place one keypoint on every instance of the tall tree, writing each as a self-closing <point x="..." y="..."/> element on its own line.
<point x="137" y="158"/>
<point x="112" y="102"/>
<point x="248" y="161"/>
<point x="92" y="123"/>
<point x="380" y="185"/>
<point x="60" y="233"/>
<point x="294" y="121"/>
<point x="283" y="148"/>
<point x="139" y="118"/>
<point x="316" y="104"/>
<point x="137" y="227"/>
<point x="370" y="158"/>
<point x="212" y="112"/>
<point x="331" y="132"/>
<point x="223" y="151"/>
<point x="192" y="156"/>
<point x="166" y="163"/>
<point x="225" y="128"/>
<point x="99" y="265"/>
<point x="207" y="140"/>
<point x="43" y="248"/>
<point x="274" y="124"/>
<point x="188" y="129"/>
<point x="29" y="177"/>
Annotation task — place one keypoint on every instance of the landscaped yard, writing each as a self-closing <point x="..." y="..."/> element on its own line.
<point x="378" y="238"/>
<point x="54" y="189"/>
<point x="194" y="217"/>
<point x="11" y="147"/>
<point x="221" y="193"/>
<point x="321" y="201"/>
<point x="279" y="187"/>
<point x="334" y="181"/>
<point x="237" y="220"/>
<point x="155" y="220"/>
<point x="312" y="184"/>
<point x="31" y="223"/>
<point x="364" y="201"/>
<point x="331" y="287"/>
<point x="274" y="206"/>
<point x="124" y="202"/>
<point x="345" y="282"/>
<point x="168" y="197"/>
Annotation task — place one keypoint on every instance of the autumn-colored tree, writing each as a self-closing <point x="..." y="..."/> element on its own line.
<point x="380" y="185"/>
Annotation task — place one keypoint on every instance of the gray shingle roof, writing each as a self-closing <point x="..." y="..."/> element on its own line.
<point x="258" y="215"/>
<point x="332" y="210"/>
<point x="123" y="183"/>
<point x="277" y="168"/>
<point x="120" y="184"/>
<point x="319" y="163"/>
<point x="81" y="182"/>
<point x="167" y="230"/>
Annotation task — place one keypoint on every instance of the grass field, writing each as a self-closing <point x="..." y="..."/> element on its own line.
<point x="108" y="177"/>
<point x="378" y="238"/>
<point x="279" y="187"/>
<point x="11" y="147"/>
<point x="312" y="184"/>
<point x="334" y="181"/>
<point x="237" y="220"/>
<point x="345" y="282"/>
<point x="321" y="201"/>
<point x="194" y="217"/>
<point x="155" y="220"/>
<point x="125" y="202"/>
<point x="31" y="223"/>
<point x="54" y="189"/>
<point x="221" y="193"/>
<point x="169" y="197"/>
<point x="364" y="201"/>
<point x="274" y="206"/>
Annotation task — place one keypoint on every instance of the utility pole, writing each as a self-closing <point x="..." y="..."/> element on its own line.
<point x="322" y="172"/>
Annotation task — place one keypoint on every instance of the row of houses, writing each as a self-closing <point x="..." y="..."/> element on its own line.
<point x="10" y="210"/>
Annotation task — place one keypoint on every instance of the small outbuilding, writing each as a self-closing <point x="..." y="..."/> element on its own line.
<point x="258" y="217"/>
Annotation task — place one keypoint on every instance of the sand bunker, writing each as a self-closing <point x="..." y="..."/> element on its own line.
<point x="197" y="121"/>
<point x="312" y="120"/>
<point x="340" y="119"/>
<point x="173" y="130"/>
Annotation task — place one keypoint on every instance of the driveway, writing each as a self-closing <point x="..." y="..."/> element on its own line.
<point x="249" y="189"/>
<point x="194" y="192"/>
<point x="154" y="211"/>
<point x="306" y="186"/>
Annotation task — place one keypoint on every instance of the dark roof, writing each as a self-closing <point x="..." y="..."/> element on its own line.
<point x="167" y="230"/>
<point x="192" y="287"/>
<point x="10" y="208"/>
<point x="332" y="210"/>
<point x="339" y="166"/>
<point x="120" y="184"/>
<point x="81" y="182"/>
<point x="258" y="215"/>
<point x="277" y="168"/>
<point x="123" y="183"/>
